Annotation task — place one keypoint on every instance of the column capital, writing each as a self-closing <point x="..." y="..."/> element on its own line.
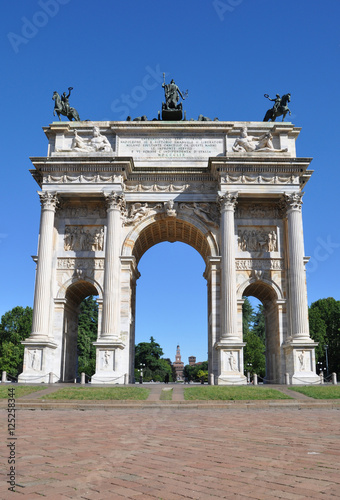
<point x="115" y="201"/>
<point x="228" y="200"/>
<point x="48" y="200"/>
<point x="293" y="201"/>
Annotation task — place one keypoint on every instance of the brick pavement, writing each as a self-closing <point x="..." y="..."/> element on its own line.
<point x="174" y="454"/>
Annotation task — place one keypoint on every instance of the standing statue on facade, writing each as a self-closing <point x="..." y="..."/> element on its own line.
<point x="280" y="107"/>
<point x="171" y="108"/>
<point x="62" y="106"/>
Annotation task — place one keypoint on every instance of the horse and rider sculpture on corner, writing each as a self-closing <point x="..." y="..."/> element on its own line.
<point x="62" y="106"/>
<point x="171" y="110"/>
<point x="280" y="108"/>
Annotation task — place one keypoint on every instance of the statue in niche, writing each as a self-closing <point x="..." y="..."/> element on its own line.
<point x="301" y="358"/>
<point x="247" y="143"/>
<point x="232" y="362"/>
<point x="34" y="359"/>
<point x="62" y="106"/>
<point x="280" y="107"/>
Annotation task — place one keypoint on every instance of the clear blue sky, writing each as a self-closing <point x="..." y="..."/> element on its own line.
<point x="228" y="54"/>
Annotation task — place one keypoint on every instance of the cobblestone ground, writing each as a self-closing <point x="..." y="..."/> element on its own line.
<point x="174" y="454"/>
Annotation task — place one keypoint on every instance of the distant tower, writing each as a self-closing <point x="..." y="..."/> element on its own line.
<point x="192" y="360"/>
<point x="178" y="365"/>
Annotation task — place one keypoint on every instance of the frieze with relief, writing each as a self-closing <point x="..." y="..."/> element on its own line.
<point x="83" y="263"/>
<point x="259" y="211"/>
<point x="86" y="238"/>
<point x="206" y="212"/>
<point x="78" y="178"/>
<point x="169" y="187"/>
<point x="259" y="264"/>
<point x="259" y="179"/>
<point x="252" y="239"/>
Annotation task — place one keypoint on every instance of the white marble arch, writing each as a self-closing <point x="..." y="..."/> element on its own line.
<point x="191" y="230"/>
<point x="75" y="280"/>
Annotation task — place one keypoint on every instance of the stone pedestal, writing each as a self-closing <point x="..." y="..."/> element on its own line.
<point x="38" y="362"/>
<point x="230" y="363"/>
<point x="300" y="362"/>
<point x="109" y="363"/>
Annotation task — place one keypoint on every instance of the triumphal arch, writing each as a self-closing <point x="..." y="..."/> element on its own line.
<point x="111" y="190"/>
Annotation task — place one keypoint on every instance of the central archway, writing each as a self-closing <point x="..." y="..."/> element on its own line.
<point x="156" y="230"/>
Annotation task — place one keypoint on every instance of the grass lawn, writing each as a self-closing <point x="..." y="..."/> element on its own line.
<point x="232" y="393"/>
<point x="319" y="391"/>
<point x="98" y="393"/>
<point x="166" y="395"/>
<point x="19" y="390"/>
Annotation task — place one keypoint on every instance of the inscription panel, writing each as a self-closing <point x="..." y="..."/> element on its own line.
<point x="191" y="147"/>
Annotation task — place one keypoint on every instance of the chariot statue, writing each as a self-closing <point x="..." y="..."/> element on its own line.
<point x="171" y="108"/>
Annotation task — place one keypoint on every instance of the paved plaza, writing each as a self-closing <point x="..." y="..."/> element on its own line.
<point x="164" y="453"/>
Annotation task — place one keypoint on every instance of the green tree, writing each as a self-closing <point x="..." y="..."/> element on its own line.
<point x="247" y="315"/>
<point x="259" y="324"/>
<point x="254" y="354"/>
<point x="192" y="372"/>
<point x="16" y="326"/>
<point x="87" y="334"/>
<point x="324" y="317"/>
<point x="155" y="368"/>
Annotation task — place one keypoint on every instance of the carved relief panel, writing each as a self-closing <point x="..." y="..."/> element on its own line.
<point x="257" y="239"/>
<point x="86" y="238"/>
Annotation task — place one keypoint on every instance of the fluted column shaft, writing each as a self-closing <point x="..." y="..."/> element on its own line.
<point x="111" y="299"/>
<point x="297" y="284"/>
<point x="228" y="272"/>
<point x="42" y="292"/>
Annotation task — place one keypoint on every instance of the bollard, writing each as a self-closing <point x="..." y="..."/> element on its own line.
<point x="4" y="377"/>
<point x="287" y="378"/>
<point x="321" y="378"/>
<point x="82" y="378"/>
<point x="255" y="378"/>
<point x="211" y="379"/>
<point x="50" y="378"/>
<point x="248" y="377"/>
<point x="334" y="379"/>
<point x="126" y="379"/>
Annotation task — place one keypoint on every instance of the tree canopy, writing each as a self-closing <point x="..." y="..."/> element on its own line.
<point x="87" y="334"/>
<point x="148" y="358"/>
<point x="324" y="324"/>
<point x="15" y="326"/>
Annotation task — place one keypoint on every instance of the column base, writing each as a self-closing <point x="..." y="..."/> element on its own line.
<point x="300" y="362"/>
<point x="38" y="360"/>
<point x="109" y="363"/>
<point x="230" y="362"/>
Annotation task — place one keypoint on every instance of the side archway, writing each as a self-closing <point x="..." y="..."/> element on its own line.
<point x="270" y="294"/>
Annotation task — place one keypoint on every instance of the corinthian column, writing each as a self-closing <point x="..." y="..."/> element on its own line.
<point x="111" y="299"/>
<point x="297" y="284"/>
<point x="228" y="273"/>
<point x="42" y="292"/>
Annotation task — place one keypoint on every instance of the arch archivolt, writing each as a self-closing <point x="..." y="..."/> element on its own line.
<point x="79" y="288"/>
<point x="263" y="289"/>
<point x="157" y="228"/>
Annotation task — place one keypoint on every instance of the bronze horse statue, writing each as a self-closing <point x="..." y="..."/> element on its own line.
<point x="282" y="109"/>
<point x="61" y="107"/>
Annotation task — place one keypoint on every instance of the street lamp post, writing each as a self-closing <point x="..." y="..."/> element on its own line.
<point x="326" y="350"/>
<point x="142" y="365"/>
